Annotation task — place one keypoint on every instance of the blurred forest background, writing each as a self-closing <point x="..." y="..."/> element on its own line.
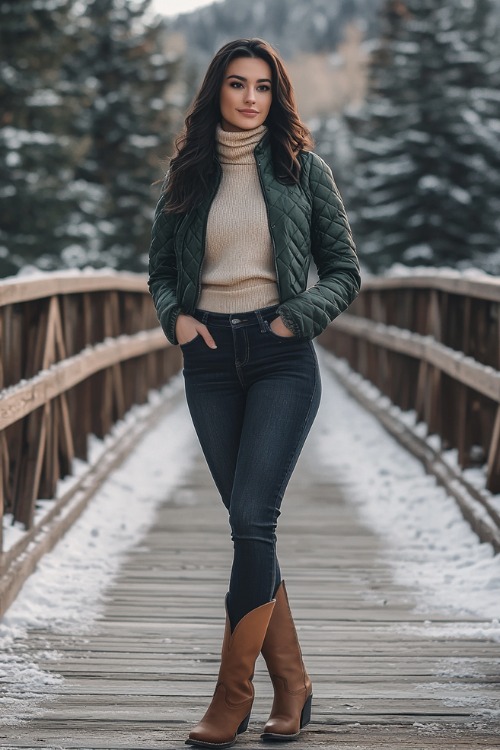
<point x="402" y="96"/>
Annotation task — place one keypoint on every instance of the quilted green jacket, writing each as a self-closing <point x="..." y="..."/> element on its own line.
<point x="306" y="221"/>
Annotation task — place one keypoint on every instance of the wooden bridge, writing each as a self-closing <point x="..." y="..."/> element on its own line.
<point x="77" y="351"/>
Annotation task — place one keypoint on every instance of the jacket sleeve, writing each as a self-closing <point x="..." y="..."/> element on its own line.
<point x="334" y="254"/>
<point x="162" y="280"/>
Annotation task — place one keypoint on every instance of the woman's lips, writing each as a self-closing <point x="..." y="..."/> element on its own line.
<point x="248" y="113"/>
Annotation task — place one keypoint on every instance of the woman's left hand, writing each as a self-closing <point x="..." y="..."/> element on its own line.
<point x="279" y="328"/>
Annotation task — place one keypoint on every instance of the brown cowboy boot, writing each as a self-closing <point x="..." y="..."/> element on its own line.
<point x="291" y="709"/>
<point x="229" y="712"/>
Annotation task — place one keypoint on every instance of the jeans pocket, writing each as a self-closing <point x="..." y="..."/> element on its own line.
<point x="274" y="335"/>
<point x="196" y="339"/>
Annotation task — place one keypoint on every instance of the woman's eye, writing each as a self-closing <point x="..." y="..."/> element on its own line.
<point x="238" y="84"/>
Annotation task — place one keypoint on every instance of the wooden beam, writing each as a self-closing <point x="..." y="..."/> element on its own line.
<point x="15" y="290"/>
<point x="21" y="400"/>
<point x="482" y="378"/>
<point x="486" y="289"/>
<point x="493" y="477"/>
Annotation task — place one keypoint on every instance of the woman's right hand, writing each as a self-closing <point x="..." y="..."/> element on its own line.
<point x="188" y="328"/>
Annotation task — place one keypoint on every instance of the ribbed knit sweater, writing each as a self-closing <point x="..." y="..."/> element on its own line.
<point x="238" y="271"/>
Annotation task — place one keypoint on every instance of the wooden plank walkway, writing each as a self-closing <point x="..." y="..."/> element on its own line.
<point x="143" y="676"/>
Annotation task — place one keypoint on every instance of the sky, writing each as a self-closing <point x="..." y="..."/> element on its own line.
<point x="174" y="7"/>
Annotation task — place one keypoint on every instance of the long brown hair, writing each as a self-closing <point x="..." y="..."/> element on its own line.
<point x="195" y="160"/>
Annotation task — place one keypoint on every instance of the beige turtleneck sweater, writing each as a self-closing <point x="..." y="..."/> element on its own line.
<point x="238" y="271"/>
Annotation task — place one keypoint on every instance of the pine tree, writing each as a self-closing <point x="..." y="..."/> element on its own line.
<point x="332" y="141"/>
<point x="85" y="124"/>
<point x="127" y="122"/>
<point x="425" y="137"/>
<point x="36" y="152"/>
<point x="474" y="100"/>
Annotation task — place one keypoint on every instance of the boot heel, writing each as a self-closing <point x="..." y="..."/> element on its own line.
<point x="244" y="725"/>
<point x="305" y="716"/>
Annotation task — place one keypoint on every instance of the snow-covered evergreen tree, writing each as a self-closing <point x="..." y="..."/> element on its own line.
<point x="85" y="124"/>
<point x="333" y="142"/>
<point x="424" y="185"/>
<point x="475" y="129"/>
<point x="37" y="154"/>
<point x="127" y="121"/>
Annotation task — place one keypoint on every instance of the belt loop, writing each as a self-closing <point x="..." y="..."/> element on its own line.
<point x="204" y="317"/>
<point x="262" y="325"/>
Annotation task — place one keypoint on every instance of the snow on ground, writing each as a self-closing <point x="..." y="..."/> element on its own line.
<point x="66" y="592"/>
<point x="429" y="546"/>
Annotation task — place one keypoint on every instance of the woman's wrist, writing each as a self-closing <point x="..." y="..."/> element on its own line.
<point x="279" y="328"/>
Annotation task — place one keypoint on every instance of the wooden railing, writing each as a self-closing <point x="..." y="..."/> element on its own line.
<point x="432" y="344"/>
<point x="77" y="351"/>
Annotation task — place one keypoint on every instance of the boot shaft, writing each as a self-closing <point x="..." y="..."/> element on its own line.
<point x="241" y="647"/>
<point x="281" y="649"/>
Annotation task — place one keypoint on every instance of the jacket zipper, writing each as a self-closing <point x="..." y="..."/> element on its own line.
<point x="264" y="193"/>
<point x="204" y="236"/>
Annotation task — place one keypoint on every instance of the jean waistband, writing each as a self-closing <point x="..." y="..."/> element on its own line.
<point x="236" y="320"/>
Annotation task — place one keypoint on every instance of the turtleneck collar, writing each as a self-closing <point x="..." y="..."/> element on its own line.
<point x="237" y="147"/>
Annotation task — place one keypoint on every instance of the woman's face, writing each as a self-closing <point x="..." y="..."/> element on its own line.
<point x="245" y="95"/>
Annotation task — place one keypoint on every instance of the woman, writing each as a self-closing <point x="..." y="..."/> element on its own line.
<point x="246" y="205"/>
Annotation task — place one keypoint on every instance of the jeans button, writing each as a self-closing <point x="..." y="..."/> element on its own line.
<point x="235" y="320"/>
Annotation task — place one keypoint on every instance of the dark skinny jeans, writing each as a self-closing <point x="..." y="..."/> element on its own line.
<point x="252" y="401"/>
